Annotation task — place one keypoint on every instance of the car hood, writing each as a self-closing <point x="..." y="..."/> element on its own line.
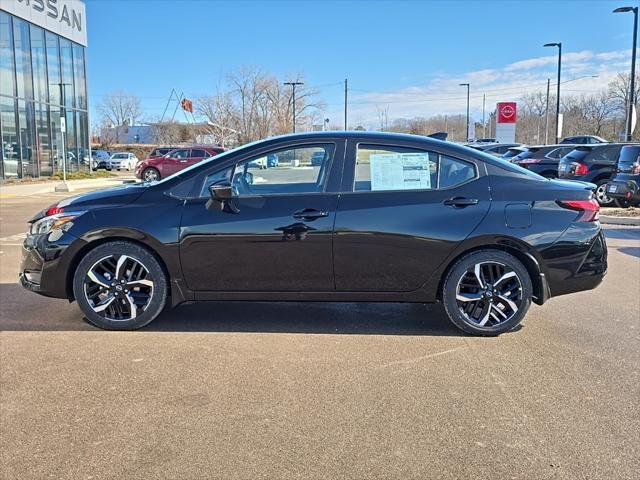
<point x="110" y="197"/>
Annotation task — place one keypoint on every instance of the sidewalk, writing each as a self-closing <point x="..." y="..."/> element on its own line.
<point x="25" y="190"/>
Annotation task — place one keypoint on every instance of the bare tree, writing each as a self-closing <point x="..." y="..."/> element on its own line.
<point x="120" y="108"/>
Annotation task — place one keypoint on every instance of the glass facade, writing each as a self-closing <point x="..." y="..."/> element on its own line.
<point x="42" y="79"/>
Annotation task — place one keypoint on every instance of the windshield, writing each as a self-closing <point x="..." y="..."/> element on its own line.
<point x="119" y="155"/>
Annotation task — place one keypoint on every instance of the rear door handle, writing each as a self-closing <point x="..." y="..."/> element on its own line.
<point x="460" y="202"/>
<point x="309" y="214"/>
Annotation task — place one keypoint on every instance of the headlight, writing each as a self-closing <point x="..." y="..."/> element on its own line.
<point x="59" y="221"/>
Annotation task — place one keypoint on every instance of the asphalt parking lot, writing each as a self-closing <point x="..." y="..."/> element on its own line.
<point x="290" y="390"/>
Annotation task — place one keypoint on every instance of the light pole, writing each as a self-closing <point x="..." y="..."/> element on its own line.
<point x="632" y="83"/>
<point x="293" y="94"/>
<point x="559" y="45"/>
<point x="467" y="85"/>
<point x="63" y="187"/>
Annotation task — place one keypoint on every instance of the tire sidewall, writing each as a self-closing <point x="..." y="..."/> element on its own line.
<point x="141" y="254"/>
<point x="456" y="272"/>
<point x="144" y="173"/>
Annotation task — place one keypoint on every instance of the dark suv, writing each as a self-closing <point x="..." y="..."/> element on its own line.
<point x="153" y="169"/>
<point x="595" y="164"/>
<point x="625" y="186"/>
<point x="584" y="140"/>
<point x="543" y="159"/>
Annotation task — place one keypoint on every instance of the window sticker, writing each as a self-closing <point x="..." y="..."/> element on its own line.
<point x="400" y="171"/>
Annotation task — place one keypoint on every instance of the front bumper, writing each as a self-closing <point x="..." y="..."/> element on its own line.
<point x="46" y="262"/>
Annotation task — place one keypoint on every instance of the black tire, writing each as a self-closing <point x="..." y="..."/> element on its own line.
<point x="601" y="194"/>
<point x="148" y="172"/>
<point x="519" y="287"/>
<point x="623" y="202"/>
<point x="155" y="296"/>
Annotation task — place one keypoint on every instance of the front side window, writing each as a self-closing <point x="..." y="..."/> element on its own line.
<point x="297" y="170"/>
<point x="396" y="168"/>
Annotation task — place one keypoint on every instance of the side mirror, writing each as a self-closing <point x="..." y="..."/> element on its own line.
<point x="221" y="192"/>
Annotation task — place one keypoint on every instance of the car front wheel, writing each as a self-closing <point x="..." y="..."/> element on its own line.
<point x="120" y="286"/>
<point x="150" y="174"/>
<point x="487" y="293"/>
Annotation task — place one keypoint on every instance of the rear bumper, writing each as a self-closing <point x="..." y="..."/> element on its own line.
<point x="578" y="260"/>
<point x="624" y="189"/>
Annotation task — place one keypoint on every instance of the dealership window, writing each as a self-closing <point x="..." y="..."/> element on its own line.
<point x="66" y="59"/>
<point x="71" y="143"/>
<point x="10" y="147"/>
<point x="26" y="132"/>
<point x="45" y="156"/>
<point x="53" y="67"/>
<point x="79" y="76"/>
<point x="22" y="48"/>
<point x="83" y="138"/>
<point x="396" y="168"/>
<point x="39" y="64"/>
<point x="7" y="66"/>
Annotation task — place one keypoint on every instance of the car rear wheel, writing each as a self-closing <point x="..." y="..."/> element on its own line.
<point x="487" y="293"/>
<point x="150" y="174"/>
<point x="601" y="195"/>
<point x="120" y="286"/>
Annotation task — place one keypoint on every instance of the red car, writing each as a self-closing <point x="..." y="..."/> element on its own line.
<point x="156" y="168"/>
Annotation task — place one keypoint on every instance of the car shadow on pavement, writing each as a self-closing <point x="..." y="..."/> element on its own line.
<point x="21" y="310"/>
<point x="633" y="251"/>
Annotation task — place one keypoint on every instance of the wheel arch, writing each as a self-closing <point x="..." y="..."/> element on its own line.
<point x="514" y="247"/>
<point x="137" y="238"/>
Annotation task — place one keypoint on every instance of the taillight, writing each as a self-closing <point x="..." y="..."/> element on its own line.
<point x="53" y="210"/>
<point x="590" y="209"/>
<point x="581" y="169"/>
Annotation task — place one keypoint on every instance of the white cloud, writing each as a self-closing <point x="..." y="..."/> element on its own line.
<point x="443" y="95"/>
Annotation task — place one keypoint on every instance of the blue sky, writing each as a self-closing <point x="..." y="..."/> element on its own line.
<point x="405" y="56"/>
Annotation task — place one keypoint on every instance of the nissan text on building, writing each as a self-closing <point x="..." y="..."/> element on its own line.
<point x="42" y="82"/>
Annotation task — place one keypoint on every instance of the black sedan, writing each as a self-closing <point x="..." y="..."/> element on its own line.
<point x="384" y="217"/>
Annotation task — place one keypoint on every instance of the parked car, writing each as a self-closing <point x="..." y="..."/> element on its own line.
<point x="452" y="225"/>
<point x="496" y="149"/>
<point x="122" y="161"/>
<point x="596" y="164"/>
<point x="512" y="152"/>
<point x="152" y="169"/>
<point x="543" y="159"/>
<point x="584" y="140"/>
<point x="317" y="158"/>
<point x="160" y="151"/>
<point x="625" y="185"/>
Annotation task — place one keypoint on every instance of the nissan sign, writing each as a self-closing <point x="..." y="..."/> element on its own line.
<point x="67" y="18"/>
<point x="507" y="112"/>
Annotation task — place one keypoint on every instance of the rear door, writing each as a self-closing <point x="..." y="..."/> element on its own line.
<point x="197" y="155"/>
<point x="402" y="211"/>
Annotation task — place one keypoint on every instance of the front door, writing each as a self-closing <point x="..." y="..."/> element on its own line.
<point x="176" y="161"/>
<point x="403" y="212"/>
<point x="277" y="233"/>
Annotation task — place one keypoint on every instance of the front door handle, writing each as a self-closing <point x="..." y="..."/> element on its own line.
<point x="460" y="202"/>
<point x="309" y="214"/>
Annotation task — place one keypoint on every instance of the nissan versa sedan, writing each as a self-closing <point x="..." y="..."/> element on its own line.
<point x="413" y="220"/>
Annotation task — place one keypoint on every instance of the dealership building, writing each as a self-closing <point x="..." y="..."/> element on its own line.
<point x="43" y="87"/>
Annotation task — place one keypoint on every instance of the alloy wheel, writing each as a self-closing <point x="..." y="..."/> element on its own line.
<point x="489" y="294"/>
<point x="601" y="195"/>
<point x="118" y="287"/>
<point x="150" y="175"/>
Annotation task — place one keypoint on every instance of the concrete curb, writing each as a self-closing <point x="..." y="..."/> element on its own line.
<point x="611" y="220"/>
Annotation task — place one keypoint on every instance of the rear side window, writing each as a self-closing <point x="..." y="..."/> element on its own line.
<point x="604" y="154"/>
<point x="199" y="153"/>
<point x="394" y="168"/>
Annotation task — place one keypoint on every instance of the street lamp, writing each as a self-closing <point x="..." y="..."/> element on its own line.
<point x="632" y="84"/>
<point x="467" y="85"/>
<point x="559" y="45"/>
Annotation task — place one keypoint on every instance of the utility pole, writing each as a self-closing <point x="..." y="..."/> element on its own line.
<point x="546" y="115"/>
<point x="484" y="127"/>
<point x="632" y="86"/>
<point x="346" y="89"/>
<point x="559" y="45"/>
<point x="293" y="95"/>
<point x="467" y="85"/>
